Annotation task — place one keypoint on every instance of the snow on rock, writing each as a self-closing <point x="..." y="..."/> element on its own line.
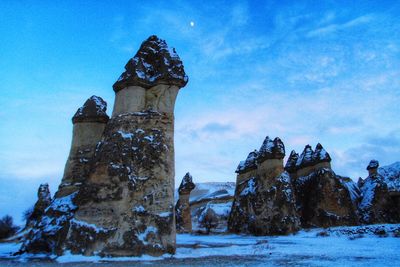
<point x="391" y="174"/>
<point x="373" y="164"/>
<point x="212" y="190"/>
<point x="372" y="245"/>
<point x="187" y="184"/>
<point x="272" y="149"/>
<point x="94" y="109"/>
<point x="291" y="162"/>
<point x="249" y="163"/>
<point x="154" y="63"/>
<point x="306" y="157"/>
<point x="215" y="195"/>
<point x="324" y="199"/>
<point x="44" y="200"/>
<point x="320" y="154"/>
<point x="182" y="207"/>
<point x="264" y="206"/>
<point x="380" y="193"/>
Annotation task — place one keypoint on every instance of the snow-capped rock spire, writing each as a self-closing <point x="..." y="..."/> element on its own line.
<point x="320" y="154"/>
<point x="187" y="184"/>
<point x="154" y="63"/>
<point x="249" y="163"/>
<point x="272" y="149"/>
<point x="291" y="162"/>
<point x="306" y="157"/>
<point x="93" y="110"/>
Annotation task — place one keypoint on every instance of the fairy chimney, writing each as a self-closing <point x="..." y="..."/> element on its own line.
<point x="117" y="194"/>
<point x="131" y="183"/>
<point x="270" y="159"/>
<point x="89" y="123"/>
<point x="182" y="208"/>
<point x="310" y="161"/>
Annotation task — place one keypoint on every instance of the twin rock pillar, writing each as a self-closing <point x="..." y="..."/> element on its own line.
<point x="117" y="194"/>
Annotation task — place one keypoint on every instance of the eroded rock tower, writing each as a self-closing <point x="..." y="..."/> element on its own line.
<point x="117" y="194"/>
<point x="182" y="208"/>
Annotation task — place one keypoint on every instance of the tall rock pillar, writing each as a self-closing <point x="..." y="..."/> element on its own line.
<point x="89" y="123"/>
<point x="129" y="194"/>
<point x="182" y="208"/>
<point x="50" y="233"/>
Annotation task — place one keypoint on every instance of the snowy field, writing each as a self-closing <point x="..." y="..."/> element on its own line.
<point x="377" y="245"/>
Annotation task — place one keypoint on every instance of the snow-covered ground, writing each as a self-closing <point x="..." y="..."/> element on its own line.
<point x="377" y="245"/>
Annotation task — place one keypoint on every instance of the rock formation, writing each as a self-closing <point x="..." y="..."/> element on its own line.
<point x="264" y="203"/>
<point x="89" y="123"/>
<point x="214" y="195"/>
<point x="117" y="194"/>
<point x="380" y="192"/>
<point x="182" y="208"/>
<point x="323" y="198"/>
<point x="50" y="234"/>
<point x="44" y="200"/>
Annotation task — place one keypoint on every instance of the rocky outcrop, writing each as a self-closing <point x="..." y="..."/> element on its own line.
<point x="264" y="202"/>
<point x="117" y="199"/>
<point x="323" y="198"/>
<point x="380" y="193"/>
<point x="216" y="196"/>
<point x="182" y="207"/>
<point x="44" y="200"/>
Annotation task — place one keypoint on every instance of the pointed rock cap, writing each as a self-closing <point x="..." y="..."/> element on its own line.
<point x="94" y="110"/>
<point x="187" y="184"/>
<point x="291" y="162"/>
<point x="373" y="164"/>
<point x="272" y="149"/>
<point x="44" y="193"/>
<point x="306" y="158"/>
<point x="320" y="154"/>
<point x="154" y="63"/>
<point x="249" y="163"/>
<point x="278" y="150"/>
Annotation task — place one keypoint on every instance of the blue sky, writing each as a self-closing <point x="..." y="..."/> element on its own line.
<point x="308" y="72"/>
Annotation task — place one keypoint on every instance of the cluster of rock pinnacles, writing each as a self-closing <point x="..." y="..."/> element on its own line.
<point x="116" y="197"/>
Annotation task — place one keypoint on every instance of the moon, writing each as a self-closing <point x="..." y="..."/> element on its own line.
<point x="192" y="24"/>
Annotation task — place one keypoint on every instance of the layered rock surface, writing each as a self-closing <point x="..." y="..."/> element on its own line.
<point x="264" y="202"/>
<point x="323" y="198"/>
<point x="117" y="193"/>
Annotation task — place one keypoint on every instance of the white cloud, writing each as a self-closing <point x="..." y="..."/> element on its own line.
<point x="335" y="27"/>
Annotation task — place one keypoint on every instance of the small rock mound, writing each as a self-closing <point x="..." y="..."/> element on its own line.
<point x="154" y="63"/>
<point x="94" y="110"/>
